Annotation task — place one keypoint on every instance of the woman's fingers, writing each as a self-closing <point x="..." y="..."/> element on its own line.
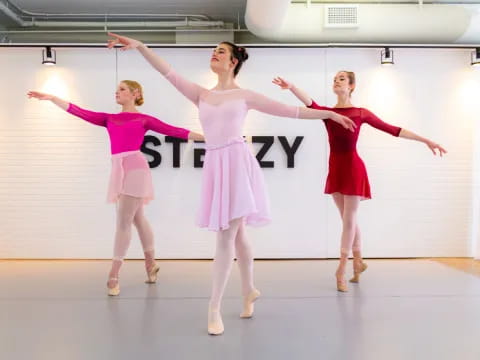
<point x="350" y="124"/>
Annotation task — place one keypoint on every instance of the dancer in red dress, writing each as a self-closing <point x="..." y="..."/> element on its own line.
<point x="347" y="179"/>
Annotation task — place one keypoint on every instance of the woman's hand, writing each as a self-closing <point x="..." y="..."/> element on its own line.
<point x="128" y="43"/>
<point x="195" y="136"/>
<point x="284" y="84"/>
<point x="346" y="122"/>
<point x="42" y="96"/>
<point x="300" y="94"/>
<point x="39" y="95"/>
<point x="434" y="146"/>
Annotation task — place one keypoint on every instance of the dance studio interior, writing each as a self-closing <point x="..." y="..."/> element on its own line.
<point x="240" y="179"/>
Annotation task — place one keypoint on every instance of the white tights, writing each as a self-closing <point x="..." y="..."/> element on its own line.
<point x="229" y="242"/>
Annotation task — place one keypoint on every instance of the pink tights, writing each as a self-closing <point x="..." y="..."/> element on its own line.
<point x="230" y="242"/>
<point x="130" y="212"/>
<point x="348" y="207"/>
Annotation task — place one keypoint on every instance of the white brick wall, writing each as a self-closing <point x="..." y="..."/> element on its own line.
<point x="54" y="168"/>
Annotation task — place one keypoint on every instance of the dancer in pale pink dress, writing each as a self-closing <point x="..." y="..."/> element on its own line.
<point x="130" y="181"/>
<point x="233" y="190"/>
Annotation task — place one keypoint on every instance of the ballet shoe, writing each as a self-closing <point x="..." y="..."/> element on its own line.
<point x="248" y="304"/>
<point x="341" y="284"/>
<point x="152" y="275"/>
<point x="357" y="272"/>
<point x="215" y="323"/>
<point x="115" y="291"/>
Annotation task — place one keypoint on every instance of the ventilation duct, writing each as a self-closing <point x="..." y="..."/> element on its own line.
<point x="282" y="21"/>
<point x="27" y="19"/>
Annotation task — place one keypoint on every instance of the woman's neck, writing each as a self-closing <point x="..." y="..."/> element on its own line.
<point x="343" y="101"/>
<point x="226" y="81"/>
<point x="129" y="108"/>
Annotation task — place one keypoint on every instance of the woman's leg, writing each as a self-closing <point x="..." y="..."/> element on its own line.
<point x="245" y="265"/>
<point x="127" y="207"/>
<point x="145" y="234"/>
<point x="222" y="265"/>
<point x="358" y="264"/>
<point x="349" y="220"/>
<point x="357" y="246"/>
<point x="245" y="260"/>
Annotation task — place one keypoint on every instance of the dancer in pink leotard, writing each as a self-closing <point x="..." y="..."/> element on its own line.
<point x="233" y="190"/>
<point x="130" y="181"/>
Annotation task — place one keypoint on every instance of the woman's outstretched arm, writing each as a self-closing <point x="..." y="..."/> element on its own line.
<point x="299" y="93"/>
<point x="43" y="96"/>
<point x="266" y="105"/>
<point x="188" y="88"/>
<point x="433" y="146"/>
<point x="373" y="120"/>
<point x="96" y="118"/>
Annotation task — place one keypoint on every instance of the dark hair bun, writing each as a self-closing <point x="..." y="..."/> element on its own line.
<point x="242" y="53"/>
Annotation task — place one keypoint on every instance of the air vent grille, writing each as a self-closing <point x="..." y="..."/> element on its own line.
<point x="341" y="16"/>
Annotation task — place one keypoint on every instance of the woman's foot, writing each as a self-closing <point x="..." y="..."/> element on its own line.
<point x="215" y="323"/>
<point x="358" y="268"/>
<point x="341" y="283"/>
<point x="152" y="274"/>
<point x="113" y="287"/>
<point x="248" y="304"/>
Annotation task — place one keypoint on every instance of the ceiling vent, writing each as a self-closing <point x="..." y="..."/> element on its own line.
<point x="341" y="16"/>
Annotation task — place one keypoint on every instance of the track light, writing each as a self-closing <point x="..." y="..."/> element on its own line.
<point x="476" y="57"/>
<point x="49" y="57"/>
<point x="387" y="57"/>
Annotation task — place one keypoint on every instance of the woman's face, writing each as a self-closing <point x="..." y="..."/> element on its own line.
<point x="124" y="95"/>
<point x="221" y="60"/>
<point x="341" y="84"/>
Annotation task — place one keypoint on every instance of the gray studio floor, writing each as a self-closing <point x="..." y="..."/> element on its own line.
<point x="403" y="309"/>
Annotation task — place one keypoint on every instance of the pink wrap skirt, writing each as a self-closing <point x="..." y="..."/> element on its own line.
<point x="131" y="176"/>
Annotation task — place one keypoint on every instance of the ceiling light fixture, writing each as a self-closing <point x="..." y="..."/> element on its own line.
<point x="387" y="57"/>
<point x="49" y="57"/>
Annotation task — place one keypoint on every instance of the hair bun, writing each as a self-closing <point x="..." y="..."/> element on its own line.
<point x="243" y="53"/>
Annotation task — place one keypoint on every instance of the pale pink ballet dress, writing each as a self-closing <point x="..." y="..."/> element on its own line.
<point x="232" y="185"/>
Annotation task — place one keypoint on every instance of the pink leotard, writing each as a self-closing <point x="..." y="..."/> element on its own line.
<point x="127" y="129"/>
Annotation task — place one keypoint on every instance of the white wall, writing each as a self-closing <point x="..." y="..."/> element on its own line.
<point x="54" y="168"/>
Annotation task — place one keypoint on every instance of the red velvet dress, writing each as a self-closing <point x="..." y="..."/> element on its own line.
<point x="347" y="174"/>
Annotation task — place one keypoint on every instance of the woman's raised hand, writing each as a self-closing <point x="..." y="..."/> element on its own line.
<point x="284" y="84"/>
<point x="39" y="95"/>
<point x="128" y="43"/>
